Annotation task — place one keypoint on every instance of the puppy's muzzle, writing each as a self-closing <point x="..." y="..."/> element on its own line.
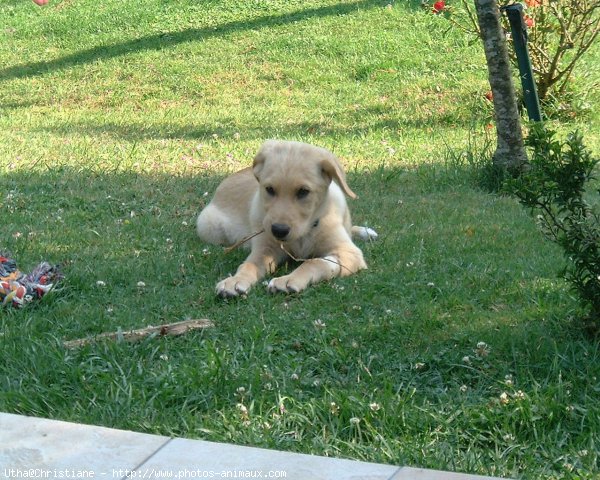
<point x="280" y="230"/>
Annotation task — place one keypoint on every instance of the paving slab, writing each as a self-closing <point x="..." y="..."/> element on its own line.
<point x="202" y="459"/>
<point x="39" y="448"/>
<point x="50" y="449"/>
<point x="408" y="473"/>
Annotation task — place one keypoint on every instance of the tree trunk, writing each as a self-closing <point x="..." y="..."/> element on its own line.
<point x="510" y="152"/>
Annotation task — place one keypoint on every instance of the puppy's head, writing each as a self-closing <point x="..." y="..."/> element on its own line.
<point x="294" y="179"/>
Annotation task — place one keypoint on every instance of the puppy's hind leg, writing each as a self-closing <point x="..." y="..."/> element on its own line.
<point x="364" y="233"/>
<point x="214" y="226"/>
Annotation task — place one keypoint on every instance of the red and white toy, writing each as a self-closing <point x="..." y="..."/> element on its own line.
<point x="18" y="288"/>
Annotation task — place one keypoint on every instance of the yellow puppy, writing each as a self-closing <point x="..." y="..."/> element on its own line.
<point x="294" y="196"/>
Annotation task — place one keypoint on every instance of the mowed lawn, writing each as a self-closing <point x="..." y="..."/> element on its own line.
<point x="458" y="349"/>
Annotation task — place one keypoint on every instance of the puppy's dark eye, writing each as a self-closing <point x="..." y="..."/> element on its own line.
<point x="302" y="193"/>
<point x="270" y="191"/>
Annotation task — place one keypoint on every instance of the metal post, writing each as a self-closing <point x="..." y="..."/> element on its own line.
<point x="519" y="34"/>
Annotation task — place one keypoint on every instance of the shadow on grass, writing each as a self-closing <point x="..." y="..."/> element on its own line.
<point x="124" y="227"/>
<point x="444" y="276"/>
<point x="226" y="128"/>
<point x="168" y="40"/>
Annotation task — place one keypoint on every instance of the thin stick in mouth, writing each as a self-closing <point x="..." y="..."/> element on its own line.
<point x="291" y="255"/>
<point x="242" y="241"/>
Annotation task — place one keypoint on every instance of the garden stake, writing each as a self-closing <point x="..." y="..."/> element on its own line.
<point x="519" y="34"/>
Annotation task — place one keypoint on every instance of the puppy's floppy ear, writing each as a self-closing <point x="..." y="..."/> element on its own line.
<point x="331" y="168"/>
<point x="259" y="162"/>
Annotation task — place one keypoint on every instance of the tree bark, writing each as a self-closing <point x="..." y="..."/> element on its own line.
<point x="510" y="151"/>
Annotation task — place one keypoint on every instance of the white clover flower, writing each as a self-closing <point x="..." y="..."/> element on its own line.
<point x="100" y="283"/>
<point x="318" y="323"/>
<point x="504" y="398"/>
<point x="354" y="421"/>
<point x="374" y="406"/>
<point x="519" y="395"/>
<point x="482" y="349"/>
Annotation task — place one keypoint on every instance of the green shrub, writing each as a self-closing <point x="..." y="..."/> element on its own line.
<point x="554" y="189"/>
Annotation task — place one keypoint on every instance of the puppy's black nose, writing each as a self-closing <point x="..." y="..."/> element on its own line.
<point x="280" y="230"/>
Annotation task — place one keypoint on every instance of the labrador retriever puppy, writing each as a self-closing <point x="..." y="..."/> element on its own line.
<point x="291" y="201"/>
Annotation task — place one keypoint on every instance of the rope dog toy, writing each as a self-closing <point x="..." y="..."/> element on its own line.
<point x="18" y="289"/>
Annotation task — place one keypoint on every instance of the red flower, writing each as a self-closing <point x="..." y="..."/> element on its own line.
<point x="439" y="6"/>
<point x="528" y="21"/>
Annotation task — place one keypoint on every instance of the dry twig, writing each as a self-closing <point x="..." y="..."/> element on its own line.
<point x="242" y="241"/>
<point x="299" y="260"/>
<point x="172" y="329"/>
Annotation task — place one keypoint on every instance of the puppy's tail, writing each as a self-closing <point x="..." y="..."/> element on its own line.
<point x="365" y="234"/>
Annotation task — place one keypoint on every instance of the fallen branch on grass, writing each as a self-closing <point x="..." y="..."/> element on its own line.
<point x="172" y="329"/>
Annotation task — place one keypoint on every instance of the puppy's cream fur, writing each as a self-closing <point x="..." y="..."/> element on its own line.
<point x="294" y="194"/>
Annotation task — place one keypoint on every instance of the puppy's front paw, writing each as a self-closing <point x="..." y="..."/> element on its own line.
<point x="232" y="287"/>
<point x="286" y="284"/>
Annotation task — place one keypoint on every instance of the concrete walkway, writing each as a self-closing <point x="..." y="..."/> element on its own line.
<point x="49" y="449"/>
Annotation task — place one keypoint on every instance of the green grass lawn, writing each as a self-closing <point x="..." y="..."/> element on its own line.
<point x="118" y="120"/>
